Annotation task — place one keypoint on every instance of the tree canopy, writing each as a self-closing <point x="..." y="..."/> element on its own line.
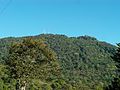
<point x="57" y="62"/>
<point x="115" y="85"/>
<point x="32" y="59"/>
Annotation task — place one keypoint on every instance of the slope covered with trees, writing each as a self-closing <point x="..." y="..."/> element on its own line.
<point x="85" y="63"/>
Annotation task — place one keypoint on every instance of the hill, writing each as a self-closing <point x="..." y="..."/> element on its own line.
<point x="85" y="62"/>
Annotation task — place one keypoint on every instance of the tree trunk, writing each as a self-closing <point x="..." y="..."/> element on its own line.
<point x="23" y="87"/>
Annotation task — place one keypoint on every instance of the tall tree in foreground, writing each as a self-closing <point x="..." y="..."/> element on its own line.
<point x="117" y="57"/>
<point x="32" y="59"/>
<point x="116" y="82"/>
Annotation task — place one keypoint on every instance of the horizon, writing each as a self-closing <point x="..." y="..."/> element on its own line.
<point x="56" y="34"/>
<point x="99" y="19"/>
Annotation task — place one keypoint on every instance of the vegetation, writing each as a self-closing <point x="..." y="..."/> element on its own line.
<point x="56" y="62"/>
<point x="32" y="60"/>
<point x="116" y="81"/>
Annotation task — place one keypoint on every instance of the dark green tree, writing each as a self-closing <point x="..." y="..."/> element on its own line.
<point x="117" y="57"/>
<point x="116" y="82"/>
<point x="32" y="59"/>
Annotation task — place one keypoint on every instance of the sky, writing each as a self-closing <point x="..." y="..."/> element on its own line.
<point x="97" y="18"/>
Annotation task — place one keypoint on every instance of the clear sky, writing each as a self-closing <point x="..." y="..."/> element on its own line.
<point x="98" y="18"/>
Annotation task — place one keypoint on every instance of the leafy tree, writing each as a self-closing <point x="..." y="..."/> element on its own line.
<point x="116" y="57"/>
<point x="32" y="59"/>
<point x="116" y="82"/>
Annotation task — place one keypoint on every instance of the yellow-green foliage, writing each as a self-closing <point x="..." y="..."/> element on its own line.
<point x="31" y="59"/>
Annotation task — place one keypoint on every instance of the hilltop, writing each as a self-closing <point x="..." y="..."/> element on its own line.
<point x="85" y="62"/>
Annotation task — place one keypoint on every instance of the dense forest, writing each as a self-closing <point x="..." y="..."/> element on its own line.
<point x="58" y="62"/>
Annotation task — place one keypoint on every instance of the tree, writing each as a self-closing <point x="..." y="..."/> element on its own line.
<point x="117" y="57"/>
<point x="116" y="82"/>
<point x="32" y="59"/>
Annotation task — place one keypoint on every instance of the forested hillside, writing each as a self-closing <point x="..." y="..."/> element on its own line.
<point x="83" y="62"/>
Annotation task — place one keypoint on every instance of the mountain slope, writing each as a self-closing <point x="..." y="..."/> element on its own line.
<point x="85" y="61"/>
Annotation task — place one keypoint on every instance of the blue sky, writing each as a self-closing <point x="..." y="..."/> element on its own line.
<point x="97" y="18"/>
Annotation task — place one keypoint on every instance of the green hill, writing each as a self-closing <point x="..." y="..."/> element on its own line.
<point x="85" y="62"/>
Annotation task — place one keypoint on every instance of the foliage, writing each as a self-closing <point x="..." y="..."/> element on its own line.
<point x="115" y="85"/>
<point x="58" y="62"/>
<point x="83" y="59"/>
<point x="32" y="59"/>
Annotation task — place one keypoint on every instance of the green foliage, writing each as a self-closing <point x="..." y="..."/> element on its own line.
<point x="31" y="59"/>
<point x="36" y="84"/>
<point x="57" y="62"/>
<point x="116" y="82"/>
<point x="4" y="79"/>
<point x="83" y="59"/>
